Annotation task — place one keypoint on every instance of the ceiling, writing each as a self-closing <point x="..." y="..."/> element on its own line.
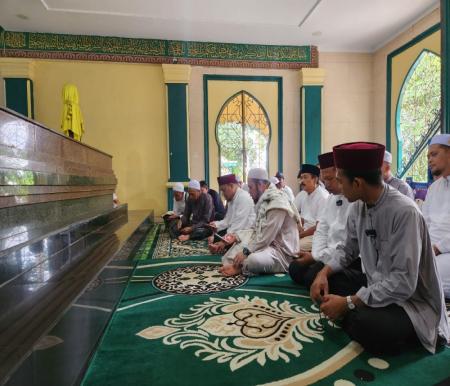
<point x="332" y="25"/>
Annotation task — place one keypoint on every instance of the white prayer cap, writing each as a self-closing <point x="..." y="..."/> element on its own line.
<point x="274" y="180"/>
<point x="387" y="157"/>
<point x="194" y="184"/>
<point x="258" y="174"/>
<point x="178" y="187"/>
<point x="441" y="139"/>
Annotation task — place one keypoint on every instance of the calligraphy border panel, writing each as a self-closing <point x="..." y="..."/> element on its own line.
<point x="115" y="49"/>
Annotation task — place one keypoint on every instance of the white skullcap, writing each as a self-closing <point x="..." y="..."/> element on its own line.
<point x="387" y="157"/>
<point x="178" y="187"/>
<point x="274" y="180"/>
<point x="258" y="174"/>
<point x="441" y="139"/>
<point x="194" y="184"/>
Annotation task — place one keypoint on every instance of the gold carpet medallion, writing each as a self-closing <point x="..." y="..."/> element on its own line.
<point x="241" y="330"/>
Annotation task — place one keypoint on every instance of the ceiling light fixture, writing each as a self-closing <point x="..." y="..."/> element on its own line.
<point x="309" y="13"/>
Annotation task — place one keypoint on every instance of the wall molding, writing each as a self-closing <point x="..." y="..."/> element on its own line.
<point x="116" y="49"/>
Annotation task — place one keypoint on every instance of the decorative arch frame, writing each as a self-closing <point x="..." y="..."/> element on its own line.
<point x="266" y="115"/>
<point x="405" y="82"/>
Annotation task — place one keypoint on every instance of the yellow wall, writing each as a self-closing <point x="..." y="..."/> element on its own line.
<point x="401" y="64"/>
<point x="218" y="93"/>
<point x="125" y="115"/>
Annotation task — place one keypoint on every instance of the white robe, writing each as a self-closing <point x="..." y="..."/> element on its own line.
<point x="299" y="200"/>
<point x="240" y="213"/>
<point x="436" y="210"/>
<point x="178" y="206"/>
<point x="288" y="192"/>
<point x="274" y="240"/>
<point x="330" y="234"/>
<point x="313" y="206"/>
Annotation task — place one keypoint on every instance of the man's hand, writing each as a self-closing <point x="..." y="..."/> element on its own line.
<point x="334" y="307"/>
<point x="186" y="230"/>
<point x="231" y="239"/>
<point x="217" y="247"/>
<point x="183" y="238"/>
<point x="173" y="216"/>
<point x="238" y="260"/>
<point x="436" y="250"/>
<point x="319" y="287"/>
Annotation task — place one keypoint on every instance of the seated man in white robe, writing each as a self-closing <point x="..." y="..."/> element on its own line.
<point x="240" y="213"/>
<point x="436" y="208"/>
<point x="282" y="185"/>
<point x="395" y="182"/>
<point x="273" y="242"/>
<point x="399" y="303"/>
<point x="172" y="218"/>
<point x="312" y="205"/>
<point x="330" y="234"/>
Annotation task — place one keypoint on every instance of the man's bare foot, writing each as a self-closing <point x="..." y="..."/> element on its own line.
<point x="183" y="237"/>
<point x="230" y="270"/>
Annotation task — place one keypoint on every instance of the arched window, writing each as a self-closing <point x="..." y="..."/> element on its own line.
<point x="243" y="135"/>
<point x="418" y="106"/>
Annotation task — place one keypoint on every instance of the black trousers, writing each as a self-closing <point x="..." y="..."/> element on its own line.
<point x="343" y="283"/>
<point x="381" y="330"/>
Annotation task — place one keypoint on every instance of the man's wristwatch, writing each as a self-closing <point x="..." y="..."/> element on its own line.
<point x="246" y="251"/>
<point x="350" y="304"/>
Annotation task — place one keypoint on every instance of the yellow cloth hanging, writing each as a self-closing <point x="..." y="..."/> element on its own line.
<point x="72" y="119"/>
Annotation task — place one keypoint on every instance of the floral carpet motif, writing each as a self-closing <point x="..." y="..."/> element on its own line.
<point x="241" y="330"/>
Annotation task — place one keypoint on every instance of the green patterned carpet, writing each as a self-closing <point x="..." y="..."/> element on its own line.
<point x="180" y="322"/>
<point x="158" y="245"/>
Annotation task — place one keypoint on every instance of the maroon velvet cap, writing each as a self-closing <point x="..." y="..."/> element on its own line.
<point x="326" y="160"/>
<point x="359" y="156"/>
<point x="227" y="179"/>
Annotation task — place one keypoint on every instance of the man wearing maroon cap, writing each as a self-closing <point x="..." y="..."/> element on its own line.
<point x="240" y="213"/>
<point x="402" y="302"/>
<point x="330" y="234"/>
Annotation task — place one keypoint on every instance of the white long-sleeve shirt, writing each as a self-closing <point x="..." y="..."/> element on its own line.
<point x="436" y="210"/>
<point x="313" y="206"/>
<point x="299" y="200"/>
<point x="288" y="192"/>
<point x="331" y="230"/>
<point x="240" y="213"/>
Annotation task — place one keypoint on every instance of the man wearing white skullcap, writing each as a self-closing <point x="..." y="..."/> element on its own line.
<point x="171" y="218"/>
<point x="395" y="182"/>
<point x="198" y="213"/>
<point x="436" y="208"/>
<point x="274" y="241"/>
